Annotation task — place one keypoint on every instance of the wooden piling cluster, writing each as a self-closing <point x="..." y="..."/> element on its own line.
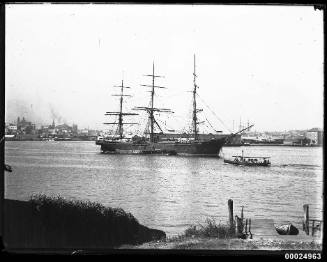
<point x="317" y="224"/>
<point x="237" y="225"/>
<point x="242" y="227"/>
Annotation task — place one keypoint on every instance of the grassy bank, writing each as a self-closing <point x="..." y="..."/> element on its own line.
<point x="53" y="222"/>
<point x="200" y="243"/>
<point x="212" y="236"/>
<point x="209" y="230"/>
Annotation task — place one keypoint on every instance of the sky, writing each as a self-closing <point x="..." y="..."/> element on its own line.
<point x="256" y="64"/>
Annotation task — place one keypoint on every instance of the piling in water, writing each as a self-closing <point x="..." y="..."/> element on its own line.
<point x="230" y="214"/>
<point x="306" y="219"/>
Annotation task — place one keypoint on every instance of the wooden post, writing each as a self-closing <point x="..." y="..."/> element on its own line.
<point x="306" y="218"/>
<point x="230" y="213"/>
<point x="250" y="228"/>
<point x="246" y="226"/>
<point x="242" y="218"/>
<point x="237" y="226"/>
<point x="313" y="227"/>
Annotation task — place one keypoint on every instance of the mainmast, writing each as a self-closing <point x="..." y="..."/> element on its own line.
<point x="195" y="128"/>
<point x="120" y="113"/>
<point x="152" y="109"/>
<point x="195" y="110"/>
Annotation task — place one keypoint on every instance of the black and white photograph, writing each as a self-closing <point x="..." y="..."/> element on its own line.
<point x="163" y="128"/>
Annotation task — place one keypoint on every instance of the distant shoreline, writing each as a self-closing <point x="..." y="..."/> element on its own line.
<point x="282" y="145"/>
<point x="84" y="140"/>
<point x="51" y="140"/>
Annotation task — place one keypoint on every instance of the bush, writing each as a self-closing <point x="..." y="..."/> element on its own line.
<point x="54" y="222"/>
<point x="84" y="223"/>
<point x="210" y="229"/>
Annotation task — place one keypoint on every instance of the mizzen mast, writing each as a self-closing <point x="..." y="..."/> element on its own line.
<point x="120" y="113"/>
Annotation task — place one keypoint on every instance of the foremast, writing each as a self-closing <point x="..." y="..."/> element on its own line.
<point x="120" y="114"/>
<point x="151" y="109"/>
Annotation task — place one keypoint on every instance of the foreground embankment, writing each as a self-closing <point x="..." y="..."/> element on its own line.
<point x="56" y="223"/>
<point x="203" y="243"/>
<point x="212" y="236"/>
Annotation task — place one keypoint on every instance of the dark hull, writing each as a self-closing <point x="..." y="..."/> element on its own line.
<point x="245" y="163"/>
<point x="205" y="148"/>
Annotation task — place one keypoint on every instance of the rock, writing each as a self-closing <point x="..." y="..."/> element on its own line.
<point x="288" y="229"/>
<point x="8" y="168"/>
<point x="293" y="230"/>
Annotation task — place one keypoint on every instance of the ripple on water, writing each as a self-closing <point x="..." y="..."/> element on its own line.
<point x="169" y="193"/>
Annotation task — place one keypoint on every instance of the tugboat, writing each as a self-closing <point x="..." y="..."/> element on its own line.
<point x="249" y="161"/>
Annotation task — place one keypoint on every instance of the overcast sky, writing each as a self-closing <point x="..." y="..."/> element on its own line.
<point x="258" y="63"/>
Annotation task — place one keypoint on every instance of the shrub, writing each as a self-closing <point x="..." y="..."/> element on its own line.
<point x="83" y="223"/>
<point x="210" y="229"/>
<point x="54" y="222"/>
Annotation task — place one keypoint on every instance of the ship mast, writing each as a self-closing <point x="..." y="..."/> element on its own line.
<point x="120" y="113"/>
<point x="195" y="122"/>
<point x="151" y="110"/>
<point x="195" y="128"/>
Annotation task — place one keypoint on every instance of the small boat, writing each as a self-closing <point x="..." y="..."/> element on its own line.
<point x="249" y="161"/>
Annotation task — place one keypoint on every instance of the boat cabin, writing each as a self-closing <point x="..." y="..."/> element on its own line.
<point x="252" y="160"/>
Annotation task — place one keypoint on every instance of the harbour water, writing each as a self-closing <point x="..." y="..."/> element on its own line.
<point x="171" y="192"/>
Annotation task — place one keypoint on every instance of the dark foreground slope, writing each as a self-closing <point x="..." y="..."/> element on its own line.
<point x="47" y="223"/>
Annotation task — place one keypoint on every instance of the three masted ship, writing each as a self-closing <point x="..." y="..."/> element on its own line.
<point x="153" y="144"/>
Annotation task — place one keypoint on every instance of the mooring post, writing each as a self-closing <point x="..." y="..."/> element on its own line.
<point x="306" y="218"/>
<point x="313" y="227"/>
<point x="237" y="226"/>
<point x="230" y="214"/>
<point x="246" y="226"/>
<point x="242" y="218"/>
<point x="250" y="228"/>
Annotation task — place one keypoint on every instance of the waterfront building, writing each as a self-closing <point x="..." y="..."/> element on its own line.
<point x="315" y="135"/>
<point x="83" y="132"/>
<point x="74" y="129"/>
<point x="11" y="129"/>
<point x="296" y="140"/>
<point x="25" y="127"/>
<point x="92" y="133"/>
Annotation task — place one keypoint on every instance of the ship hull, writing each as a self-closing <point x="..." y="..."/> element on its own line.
<point x="204" y="148"/>
<point x="245" y="163"/>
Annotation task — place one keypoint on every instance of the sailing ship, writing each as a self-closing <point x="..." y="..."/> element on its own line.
<point x="153" y="144"/>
